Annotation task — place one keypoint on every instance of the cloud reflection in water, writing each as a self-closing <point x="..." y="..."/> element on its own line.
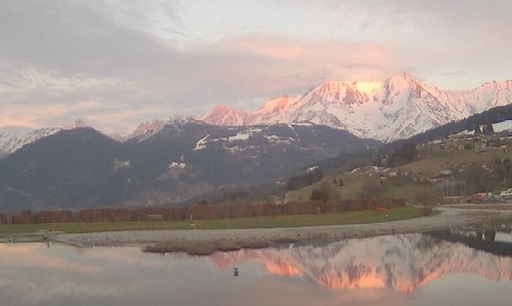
<point x="382" y="269"/>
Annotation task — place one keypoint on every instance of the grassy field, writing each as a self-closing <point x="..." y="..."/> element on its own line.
<point x="358" y="217"/>
<point x="350" y="190"/>
<point x="407" y="192"/>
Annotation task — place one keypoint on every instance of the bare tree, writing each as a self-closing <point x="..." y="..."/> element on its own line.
<point x="428" y="197"/>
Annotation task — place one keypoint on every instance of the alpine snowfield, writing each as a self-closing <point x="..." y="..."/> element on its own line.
<point x="396" y="108"/>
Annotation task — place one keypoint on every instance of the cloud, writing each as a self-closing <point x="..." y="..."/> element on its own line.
<point x="31" y="79"/>
<point x="69" y="37"/>
<point x="473" y="17"/>
<point x="268" y="65"/>
<point x="458" y="72"/>
<point x="58" y="56"/>
<point x="139" y="59"/>
<point x="435" y="36"/>
<point x="35" y="117"/>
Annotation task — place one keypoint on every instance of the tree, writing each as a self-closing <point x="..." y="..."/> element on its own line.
<point x="405" y="154"/>
<point x="377" y="161"/>
<point x="372" y="188"/>
<point x="428" y="197"/>
<point x="304" y="179"/>
<point x="318" y="194"/>
<point x="479" y="180"/>
<point x="488" y="128"/>
<point x="477" y="129"/>
<point x="324" y="192"/>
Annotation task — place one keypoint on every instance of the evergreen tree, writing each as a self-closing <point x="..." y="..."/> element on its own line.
<point x="490" y="129"/>
<point x="477" y="129"/>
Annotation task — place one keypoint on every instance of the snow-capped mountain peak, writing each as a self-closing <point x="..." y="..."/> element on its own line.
<point x="148" y="127"/>
<point x="180" y="120"/>
<point x="223" y="115"/>
<point x="78" y="123"/>
<point x="278" y="104"/>
<point x="366" y="87"/>
<point x="338" y="92"/>
<point x="396" y="108"/>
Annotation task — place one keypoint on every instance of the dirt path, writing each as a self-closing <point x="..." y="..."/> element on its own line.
<point x="449" y="218"/>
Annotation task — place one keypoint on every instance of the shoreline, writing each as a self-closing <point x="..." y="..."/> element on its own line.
<point x="203" y="242"/>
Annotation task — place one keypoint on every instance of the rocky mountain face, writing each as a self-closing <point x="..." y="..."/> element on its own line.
<point x="400" y="262"/>
<point x="81" y="167"/>
<point x="396" y="108"/>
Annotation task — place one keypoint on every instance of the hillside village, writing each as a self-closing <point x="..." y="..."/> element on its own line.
<point x="469" y="166"/>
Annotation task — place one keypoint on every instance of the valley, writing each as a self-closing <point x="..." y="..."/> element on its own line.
<point x="82" y="168"/>
<point x="231" y="157"/>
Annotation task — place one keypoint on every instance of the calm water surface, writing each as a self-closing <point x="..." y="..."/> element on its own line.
<point x="410" y="269"/>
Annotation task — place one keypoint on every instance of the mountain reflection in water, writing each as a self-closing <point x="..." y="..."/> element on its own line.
<point x="411" y="269"/>
<point x="400" y="262"/>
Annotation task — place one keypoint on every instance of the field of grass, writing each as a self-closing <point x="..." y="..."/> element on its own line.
<point x="407" y="192"/>
<point x="350" y="190"/>
<point x="357" y="217"/>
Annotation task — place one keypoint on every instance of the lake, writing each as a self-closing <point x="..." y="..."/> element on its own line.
<point x="409" y="269"/>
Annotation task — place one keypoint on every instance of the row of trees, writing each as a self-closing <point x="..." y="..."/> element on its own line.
<point x="200" y="211"/>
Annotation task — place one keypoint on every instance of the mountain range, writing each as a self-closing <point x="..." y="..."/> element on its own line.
<point x="396" y="108"/>
<point x="168" y="162"/>
<point x="13" y="138"/>
<point x="81" y="167"/>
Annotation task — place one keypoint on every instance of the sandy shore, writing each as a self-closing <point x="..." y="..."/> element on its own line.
<point x="185" y="240"/>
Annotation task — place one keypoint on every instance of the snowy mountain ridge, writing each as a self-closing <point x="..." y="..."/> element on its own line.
<point x="13" y="138"/>
<point x="396" y="108"/>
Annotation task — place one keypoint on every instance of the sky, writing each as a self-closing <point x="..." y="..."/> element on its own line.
<point x="116" y="63"/>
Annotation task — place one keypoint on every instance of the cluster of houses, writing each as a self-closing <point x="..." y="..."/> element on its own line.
<point x="448" y="180"/>
<point x="471" y="141"/>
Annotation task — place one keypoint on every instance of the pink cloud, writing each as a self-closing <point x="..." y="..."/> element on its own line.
<point x="265" y="66"/>
<point x="299" y="54"/>
<point x="31" y="115"/>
